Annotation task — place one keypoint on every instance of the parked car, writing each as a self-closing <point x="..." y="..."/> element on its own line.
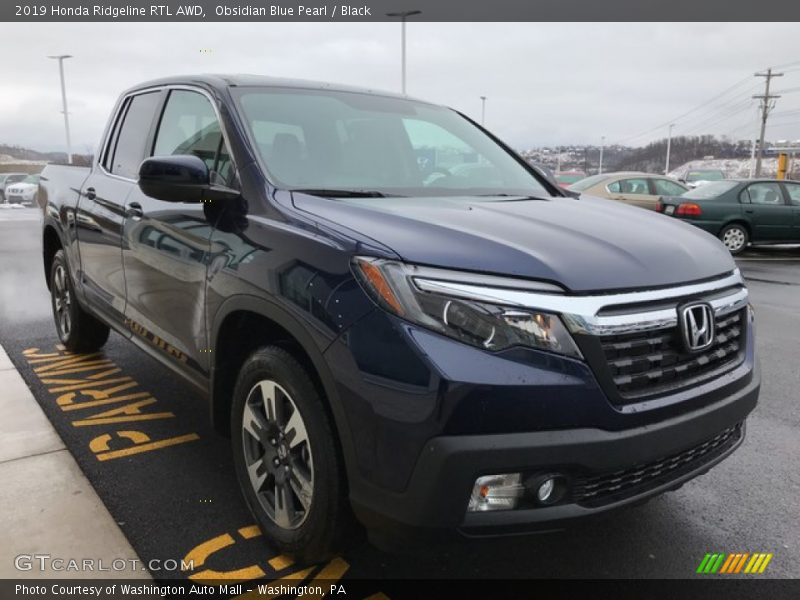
<point x="742" y="212"/>
<point x="695" y="177"/>
<point x="474" y="353"/>
<point x="638" y="189"/>
<point x="7" y="179"/>
<point x="567" y="178"/>
<point x="550" y="176"/>
<point x="24" y="191"/>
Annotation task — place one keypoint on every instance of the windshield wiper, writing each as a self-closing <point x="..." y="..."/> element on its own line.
<point x="515" y="196"/>
<point x="338" y="193"/>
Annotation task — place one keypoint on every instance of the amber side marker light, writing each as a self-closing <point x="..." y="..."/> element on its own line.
<point x="380" y="286"/>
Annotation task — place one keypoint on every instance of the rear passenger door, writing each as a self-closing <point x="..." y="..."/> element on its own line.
<point x="634" y="191"/>
<point x="769" y="214"/>
<point x="166" y="244"/>
<point x="101" y="207"/>
<point x="793" y="193"/>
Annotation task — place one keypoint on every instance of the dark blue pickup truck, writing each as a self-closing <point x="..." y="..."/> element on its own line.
<point x="393" y="316"/>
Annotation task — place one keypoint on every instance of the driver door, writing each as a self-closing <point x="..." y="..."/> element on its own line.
<point x="166" y="244"/>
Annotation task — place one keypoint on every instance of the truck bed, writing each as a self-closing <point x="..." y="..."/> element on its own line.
<point x="61" y="185"/>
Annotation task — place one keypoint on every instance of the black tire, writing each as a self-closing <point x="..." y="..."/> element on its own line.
<point x="735" y="238"/>
<point x="310" y="532"/>
<point x="78" y="330"/>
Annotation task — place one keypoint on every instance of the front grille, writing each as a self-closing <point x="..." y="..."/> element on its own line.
<point x="611" y="487"/>
<point x="653" y="361"/>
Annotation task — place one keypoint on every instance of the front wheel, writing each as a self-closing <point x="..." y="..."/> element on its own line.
<point x="78" y="330"/>
<point x="286" y="458"/>
<point x="735" y="238"/>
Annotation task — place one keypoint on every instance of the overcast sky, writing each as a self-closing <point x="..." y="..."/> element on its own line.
<point x="546" y="83"/>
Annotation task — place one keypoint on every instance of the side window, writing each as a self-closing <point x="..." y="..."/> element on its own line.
<point x="614" y="187"/>
<point x="130" y="146"/>
<point x="189" y="125"/>
<point x="107" y="159"/>
<point x="634" y="186"/>
<point x="665" y="187"/>
<point x="794" y="193"/>
<point x="768" y="194"/>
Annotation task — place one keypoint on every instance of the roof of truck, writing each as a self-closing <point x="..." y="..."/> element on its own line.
<point x="222" y="81"/>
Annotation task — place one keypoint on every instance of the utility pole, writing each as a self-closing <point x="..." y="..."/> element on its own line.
<point x="767" y="104"/>
<point x="483" y="109"/>
<point x="602" y="145"/>
<point x="403" y="16"/>
<point x="669" y="148"/>
<point x="60" y="58"/>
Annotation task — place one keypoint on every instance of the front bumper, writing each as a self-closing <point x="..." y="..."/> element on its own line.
<point x="439" y="488"/>
<point x="19" y="198"/>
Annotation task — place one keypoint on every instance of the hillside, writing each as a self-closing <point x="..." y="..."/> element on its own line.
<point x="651" y="158"/>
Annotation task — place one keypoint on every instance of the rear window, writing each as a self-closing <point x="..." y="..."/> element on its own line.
<point x="710" y="190"/>
<point x="586" y="183"/>
<point x="569" y="177"/>
<point x="705" y="176"/>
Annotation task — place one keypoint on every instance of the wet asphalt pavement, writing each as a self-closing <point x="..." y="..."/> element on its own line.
<point x="181" y="500"/>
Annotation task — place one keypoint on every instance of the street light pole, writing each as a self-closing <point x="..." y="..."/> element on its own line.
<point x="602" y="146"/>
<point x="61" y="59"/>
<point x="403" y="16"/>
<point x="483" y="109"/>
<point x="669" y="148"/>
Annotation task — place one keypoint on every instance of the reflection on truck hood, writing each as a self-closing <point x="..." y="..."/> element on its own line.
<point x="585" y="245"/>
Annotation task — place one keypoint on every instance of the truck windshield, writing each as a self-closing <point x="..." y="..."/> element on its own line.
<point x="353" y="142"/>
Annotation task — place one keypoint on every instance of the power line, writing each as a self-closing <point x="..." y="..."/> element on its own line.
<point x="688" y="112"/>
<point x="709" y="124"/>
<point x="785" y="65"/>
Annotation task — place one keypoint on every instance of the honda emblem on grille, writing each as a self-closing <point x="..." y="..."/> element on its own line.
<point x="696" y="321"/>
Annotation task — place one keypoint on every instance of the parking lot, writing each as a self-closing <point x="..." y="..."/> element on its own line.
<point x="176" y="496"/>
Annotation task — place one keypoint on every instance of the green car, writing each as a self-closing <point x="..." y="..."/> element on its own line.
<point x="741" y="212"/>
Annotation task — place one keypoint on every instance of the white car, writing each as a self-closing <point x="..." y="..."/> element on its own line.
<point x="696" y="177"/>
<point x="23" y="192"/>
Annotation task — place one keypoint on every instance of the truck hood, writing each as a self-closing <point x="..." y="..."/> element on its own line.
<point x="586" y="244"/>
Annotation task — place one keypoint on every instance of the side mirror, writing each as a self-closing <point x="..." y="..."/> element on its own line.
<point x="681" y="181"/>
<point x="180" y="178"/>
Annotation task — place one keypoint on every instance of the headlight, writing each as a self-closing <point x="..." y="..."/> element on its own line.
<point x="472" y="320"/>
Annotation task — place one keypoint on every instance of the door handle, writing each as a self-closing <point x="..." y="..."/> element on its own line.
<point x="748" y="210"/>
<point x="134" y="210"/>
<point x="91" y="194"/>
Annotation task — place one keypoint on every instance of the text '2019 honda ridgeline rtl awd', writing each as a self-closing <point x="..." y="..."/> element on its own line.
<point x="393" y="316"/>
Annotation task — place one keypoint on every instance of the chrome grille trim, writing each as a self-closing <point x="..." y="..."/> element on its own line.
<point x="581" y="313"/>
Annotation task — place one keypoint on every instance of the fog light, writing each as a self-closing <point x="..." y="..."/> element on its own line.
<point x="496" y="492"/>
<point x="549" y="489"/>
<point x="545" y="490"/>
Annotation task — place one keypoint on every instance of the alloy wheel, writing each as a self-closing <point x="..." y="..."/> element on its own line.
<point x="277" y="454"/>
<point x="62" y="300"/>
